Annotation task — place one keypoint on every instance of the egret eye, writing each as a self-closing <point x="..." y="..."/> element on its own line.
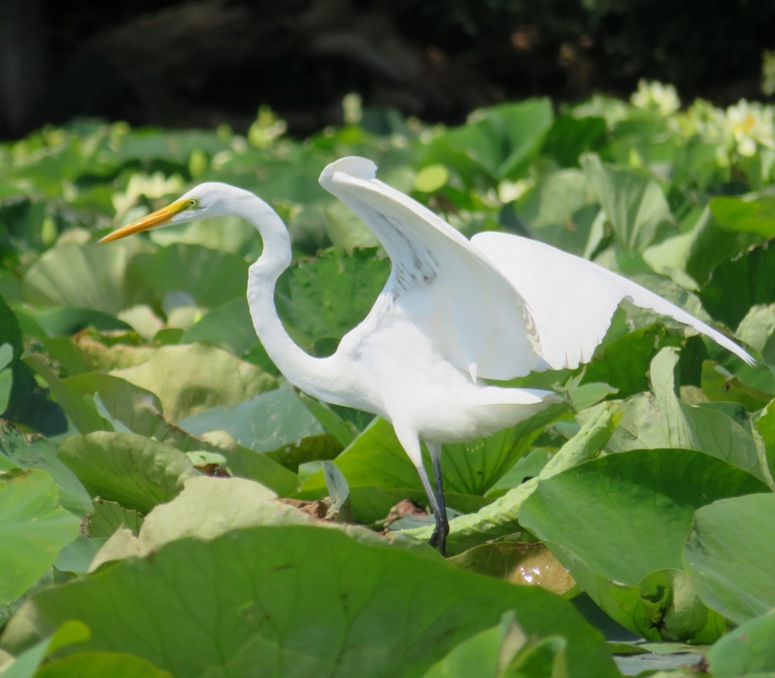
<point x="193" y="203"/>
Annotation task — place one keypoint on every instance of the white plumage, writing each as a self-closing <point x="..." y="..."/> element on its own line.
<point x="453" y="312"/>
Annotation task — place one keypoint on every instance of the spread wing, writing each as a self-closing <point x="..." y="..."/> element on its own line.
<point x="477" y="320"/>
<point x="573" y="299"/>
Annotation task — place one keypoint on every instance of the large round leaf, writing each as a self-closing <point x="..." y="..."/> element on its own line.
<point x="746" y="651"/>
<point x="206" y="276"/>
<point x="81" y="276"/>
<point x="295" y="601"/>
<point x="136" y="472"/>
<point x="33" y="528"/>
<point x="191" y="378"/>
<point x="730" y="554"/>
<point x="620" y="521"/>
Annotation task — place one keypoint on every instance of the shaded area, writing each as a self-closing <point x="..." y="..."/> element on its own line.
<point x="202" y="62"/>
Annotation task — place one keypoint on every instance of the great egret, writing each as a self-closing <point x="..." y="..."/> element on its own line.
<point x="453" y="312"/>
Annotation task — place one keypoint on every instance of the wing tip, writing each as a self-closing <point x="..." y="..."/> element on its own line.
<point x="361" y="168"/>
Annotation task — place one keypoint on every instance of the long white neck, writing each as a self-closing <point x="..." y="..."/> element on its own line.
<point x="310" y="374"/>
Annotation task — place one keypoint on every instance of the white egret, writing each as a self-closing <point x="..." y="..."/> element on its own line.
<point x="453" y="312"/>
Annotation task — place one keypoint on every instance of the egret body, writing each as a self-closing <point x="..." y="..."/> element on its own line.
<point x="453" y="313"/>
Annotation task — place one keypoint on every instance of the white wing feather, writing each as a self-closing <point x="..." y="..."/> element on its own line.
<point x="474" y="316"/>
<point x="499" y="305"/>
<point x="572" y="299"/>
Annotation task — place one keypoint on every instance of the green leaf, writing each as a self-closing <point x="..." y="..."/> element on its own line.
<point x="502" y="516"/>
<point x="344" y="228"/>
<point x="701" y="247"/>
<point x="431" y="178"/>
<point x="33" y="529"/>
<point x="328" y="296"/>
<point x="26" y="664"/>
<point x="504" y="651"/>
<point x="132" y="408"/>
<point x="560" y="210"/>
<point x="251" y="601"/>
<point x="208" y="507"/>
<point x="41" y="453"/>
<point x="136" y="472"/>
<point x="571" y="136"/>
<point x="264" y="423"/>
<point x="633" y="202"/>
<point x="479" y="654"/>
<point x="474" y="467"/>
<point x="205" y="508"/>
<point x="344" y="431"/>
<point x="61" y="321"/>
<point x="375" y="458"/>
<point x="28" y="403"/>
<point x="80" y="411"/>
<point x="247" y="463"/>
<point x="191" y="378"/>
<point x="6" y="375"/>
<point x="665" y="421"/>
<point x="757" y="329"/>
<point x="100" y="664"/>
<point x="202" y="275"/>
<point x="78" y="554"/>
<point x="498" y="144"/>
<point x="524" y="126"/>
<point x="739" y="283"/>
<point x="616" y="520"/>
<point x="729" y="553"/>
<point x="108" y="516"/>
<point x="623" y="362"/>
<point x="138" y="409"/>
<point x="750" y="216"/>
<point x="82" y="276"/>
<point x="765" y="427"/>
<point x="163" y="146"/>
<point x="746" y="651"/>
<point x="719" y="385"/>
<point x="228" y="327"/>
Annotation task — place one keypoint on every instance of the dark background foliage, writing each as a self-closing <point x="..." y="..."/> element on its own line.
<point x="201" y="62"/>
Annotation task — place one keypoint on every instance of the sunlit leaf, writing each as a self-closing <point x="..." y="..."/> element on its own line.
<point x="276" y="422"/>
<point x="192" y="378"/>
<point x="662" y="420"/>
<point x="739" y="283"/>
<point x="33" y="528"/>
<point x="217" y="604"/>
<point x="728" y="555"/>
<point x="736" y="214"/>
<point x="229" y="327"/>
<point x="82" y="276"/>
<point x="748" y="650"/>
<point x="38" y="452"/>
<point x="502" y="516"/>
<point x="136" y="472"/>
<point x="329" y="296"/>
<point x="208" y="277"/>
<point x="634" y="203"/>
<point x="616" y="520"/>
<point x="100" y="664"/>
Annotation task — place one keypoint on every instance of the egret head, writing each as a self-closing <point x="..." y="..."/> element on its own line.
<point x="211" y="199"/>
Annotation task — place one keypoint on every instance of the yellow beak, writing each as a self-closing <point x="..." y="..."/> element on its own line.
<point x="157" y="218"/>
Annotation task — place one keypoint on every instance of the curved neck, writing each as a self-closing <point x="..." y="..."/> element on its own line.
<point x="304" y="371"/>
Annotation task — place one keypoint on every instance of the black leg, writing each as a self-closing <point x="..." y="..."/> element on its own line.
<point x="439" y="537"/>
